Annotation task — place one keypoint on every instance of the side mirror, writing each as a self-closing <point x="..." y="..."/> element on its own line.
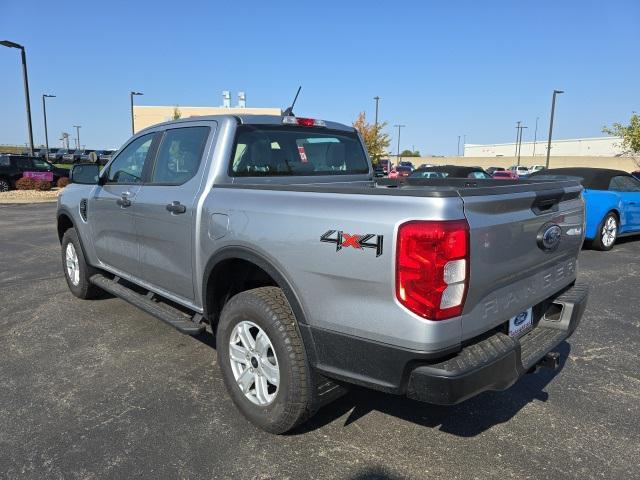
<point x="85" y="174"/>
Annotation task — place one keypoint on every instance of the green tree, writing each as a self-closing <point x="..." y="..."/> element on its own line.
<point x="177" y="114"/>
<point x="376" y="141"/>
<point x="630" y="135"/>
<point x="410" y="153"/>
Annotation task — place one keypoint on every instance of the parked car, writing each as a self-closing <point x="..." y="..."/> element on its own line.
<point x="105" y="156"/>
<point x="505" y="175"/>
<point x="536" y="168"/>
<point x="12" y="168"/>
<point x="420" y="173"/>
<point x="432" y="289"/>
<point x="86" y="156"/>
<point x="386" y="165"/>
<point x="612" y="199"/>
<point x="70" y="157"/>
<point x="520" y="170"/>
<point x="455" y="171"/>
<point x="406" y="163"/>
<point x="58" y="154"/>
<point x="400" y="171"/>
<point x="492" y="170"/>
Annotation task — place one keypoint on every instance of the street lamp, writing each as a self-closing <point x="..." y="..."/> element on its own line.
<point x="377" y="99"/>
<point x="131" y="94"/>
<point x="77" y="127"/>
<point x="517" y="136"/>
<point x="46" y="133"/>
<point x="399" y="127"/>
<point x="458" y="151"/>
<point x="553" y="110"/>
<point x="25" y="77"/>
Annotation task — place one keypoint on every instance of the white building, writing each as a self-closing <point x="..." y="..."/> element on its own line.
<point x="578" y="147"/>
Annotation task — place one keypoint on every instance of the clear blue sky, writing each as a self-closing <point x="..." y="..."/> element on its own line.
<point x="441" y="68"/>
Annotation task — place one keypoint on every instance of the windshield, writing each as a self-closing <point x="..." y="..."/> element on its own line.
<point x="267" y="150"/>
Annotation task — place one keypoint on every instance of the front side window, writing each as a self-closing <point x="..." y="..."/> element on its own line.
<point x="41" y="164"/>
<point x="267" y="150"/>
<point x="179" y="155"/>
<point x="127" y="167"/>
<point x="624" y="184"/>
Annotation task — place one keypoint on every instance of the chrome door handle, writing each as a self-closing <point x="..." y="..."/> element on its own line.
<point x="176" y="208"/>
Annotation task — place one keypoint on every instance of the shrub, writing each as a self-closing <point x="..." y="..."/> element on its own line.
<point x="42" y="185"/>
<point x="25" y="183"/>
<point x="63" y="182"/>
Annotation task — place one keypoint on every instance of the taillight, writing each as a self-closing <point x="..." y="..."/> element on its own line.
<point x="304" y="122"/>
<point x="432" y="267"/>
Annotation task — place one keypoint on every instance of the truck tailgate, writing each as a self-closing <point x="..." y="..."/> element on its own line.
<point x="512" y="267"/>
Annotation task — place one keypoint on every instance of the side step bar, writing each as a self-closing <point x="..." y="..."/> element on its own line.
<point x="175" y="318"/>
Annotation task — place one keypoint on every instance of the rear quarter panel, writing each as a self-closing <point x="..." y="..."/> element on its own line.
<point x="351" y="291"/>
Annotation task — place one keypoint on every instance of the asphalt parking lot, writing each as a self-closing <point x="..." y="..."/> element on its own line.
<point x="98" y="389"/>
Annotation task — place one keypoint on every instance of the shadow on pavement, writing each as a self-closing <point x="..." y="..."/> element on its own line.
<point x="374" y="473"/>
<point x="467" y="419"/>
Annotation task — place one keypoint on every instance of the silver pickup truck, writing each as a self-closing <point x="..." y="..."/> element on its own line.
<point x="272" y="232"/>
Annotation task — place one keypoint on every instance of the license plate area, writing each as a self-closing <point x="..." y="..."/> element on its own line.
<point x="521" y="323"/>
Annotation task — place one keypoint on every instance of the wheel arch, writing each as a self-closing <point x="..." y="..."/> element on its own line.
<point x="217" y="287"/>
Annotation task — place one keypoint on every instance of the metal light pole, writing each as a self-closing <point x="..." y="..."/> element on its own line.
<point x="458" y="151"/>
<point x="46" y="133"/>
<point x="553" y="110"/>
<point x="377" y="99"/>
<point x="399" y="127"/>
<point x="77" y="127"/>
<point x="25" y="77"/>
<point x="131" y="94"/>
<point x="464" y="143"/>
<point x="535" y="138"/>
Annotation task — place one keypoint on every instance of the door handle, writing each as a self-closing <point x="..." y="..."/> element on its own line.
<point x="124" y="201"/>
<point x="176" y="207"/>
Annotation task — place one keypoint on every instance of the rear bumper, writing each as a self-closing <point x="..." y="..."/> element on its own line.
<point x="498" y="361"/>
<point x="445" y="377"/>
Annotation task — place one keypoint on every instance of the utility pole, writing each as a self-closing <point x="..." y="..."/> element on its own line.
<point x="131" y="94"/>
<point x="535" y="137"/>
<point x="517" y="136"/>
<point x="458" y="154"/>
<point x="399" y="127"/>
<point x="464" y="143"/>
<point x="553" y="110"/>
<point x="520" y="143"/>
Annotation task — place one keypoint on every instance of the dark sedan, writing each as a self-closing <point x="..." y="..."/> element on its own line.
<point x="12" y="167"/>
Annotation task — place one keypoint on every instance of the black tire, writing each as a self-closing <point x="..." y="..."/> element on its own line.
<point x="82" y="288"/>
<point x="268" y="308"/>
<point x="5" y="185"/>
<point x="598" y="242"/>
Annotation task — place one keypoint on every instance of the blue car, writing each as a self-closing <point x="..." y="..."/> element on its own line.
<point x="612" y="199"/>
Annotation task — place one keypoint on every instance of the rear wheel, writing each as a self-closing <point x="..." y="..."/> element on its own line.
<point x="262" y="359"/>
<point x="607" y="233"/>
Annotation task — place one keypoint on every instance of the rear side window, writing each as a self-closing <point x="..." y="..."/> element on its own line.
<point x="279" y="151"/>
<point x="624" y="184"/>
<point x="5" y="162"/>
<point x="179" y="155"/>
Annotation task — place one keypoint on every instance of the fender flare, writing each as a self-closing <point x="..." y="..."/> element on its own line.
<point x="274" y="271"/>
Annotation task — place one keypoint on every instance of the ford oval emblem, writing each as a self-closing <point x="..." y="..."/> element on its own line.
<point x="520" y="319"/>
<point x="549" y="237"/>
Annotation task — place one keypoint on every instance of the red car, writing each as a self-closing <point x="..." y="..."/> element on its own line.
<point x="505" y="175"/>
<point x="400" y="171"/>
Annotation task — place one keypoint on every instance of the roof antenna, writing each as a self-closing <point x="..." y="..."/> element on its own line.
<point x="289" y="111"/>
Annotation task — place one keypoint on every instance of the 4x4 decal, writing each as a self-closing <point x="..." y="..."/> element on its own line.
<point x="359" y="242"/>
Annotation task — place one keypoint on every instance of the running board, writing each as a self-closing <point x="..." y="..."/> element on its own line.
<point x="175" y="318"/>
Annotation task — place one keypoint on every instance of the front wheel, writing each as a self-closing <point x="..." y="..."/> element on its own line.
<point x="262" y="359"/>
<point x="76" y="270"/>
<point x="607" y="233"/>
<point x="5" y="186"/>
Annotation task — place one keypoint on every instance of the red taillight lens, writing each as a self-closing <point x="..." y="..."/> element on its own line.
<point x="432" y="267"/>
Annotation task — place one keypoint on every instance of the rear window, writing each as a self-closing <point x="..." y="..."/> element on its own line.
<point x="266" y="150"/>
